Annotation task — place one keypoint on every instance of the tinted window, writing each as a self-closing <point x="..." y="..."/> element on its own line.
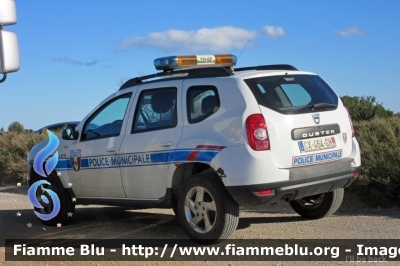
<point x="202" y="101"/>
<point x="292" y="94"/>
<point x="156" y="109"/>
<point x="296" y="94"/>
<point x="107" y="121"/>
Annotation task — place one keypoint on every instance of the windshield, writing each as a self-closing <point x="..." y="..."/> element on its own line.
<point x="293" y="94"/>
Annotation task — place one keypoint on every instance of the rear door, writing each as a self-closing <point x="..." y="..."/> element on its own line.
<point x="151" y="138"/>
<point x="306" y="122"/>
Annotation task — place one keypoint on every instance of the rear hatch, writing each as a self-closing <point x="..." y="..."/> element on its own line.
<point x="306" y="121"/>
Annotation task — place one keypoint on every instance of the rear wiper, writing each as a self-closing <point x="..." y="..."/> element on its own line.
<point x="314" y="106"/>
<point x="322" y="105"/>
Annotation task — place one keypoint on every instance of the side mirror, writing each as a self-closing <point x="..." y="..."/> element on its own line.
<point x="9" y="50"/>
<point x="70" y="134"/>
<point x="9" y="58"/>
<point x="8" y="12"/>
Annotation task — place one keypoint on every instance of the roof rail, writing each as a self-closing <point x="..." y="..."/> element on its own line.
<point x="179" y="74"/>
<point x="267" y="67"/>
<point x="199" y="73"/>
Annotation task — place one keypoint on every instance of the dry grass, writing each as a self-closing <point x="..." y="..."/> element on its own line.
<point x="379" y="181"/>
<point x="14" y="150"/>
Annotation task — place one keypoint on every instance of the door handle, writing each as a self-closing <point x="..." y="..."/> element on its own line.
<point x="112" y="150"/>
<point x="166" y="144"/>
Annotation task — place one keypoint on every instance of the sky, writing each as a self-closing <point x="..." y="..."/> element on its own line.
<point x="75" y="53"/>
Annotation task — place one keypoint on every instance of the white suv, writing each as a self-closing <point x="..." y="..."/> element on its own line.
<point x="204" y="138"/>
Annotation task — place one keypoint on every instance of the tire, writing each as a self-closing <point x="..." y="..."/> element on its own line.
<point x="175" y="205"/>
<point x="318" y="206"/>
<point x="205" y="196"/>
<point x="67" y="207"/>
<point x="175" y="210"/>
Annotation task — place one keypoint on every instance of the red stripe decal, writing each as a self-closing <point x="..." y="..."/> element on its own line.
<point x="192" y="156"/>
<point x="210" y="147"/>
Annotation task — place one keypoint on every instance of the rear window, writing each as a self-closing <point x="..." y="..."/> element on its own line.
<point x="293" y="94"/>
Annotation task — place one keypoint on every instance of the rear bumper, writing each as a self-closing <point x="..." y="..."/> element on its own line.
<point x="303" y="182"/>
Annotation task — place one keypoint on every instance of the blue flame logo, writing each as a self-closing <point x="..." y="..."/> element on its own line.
<point x="44" y="153"/>
<point x="50" y="165"/>
<point x="32" y="197"/>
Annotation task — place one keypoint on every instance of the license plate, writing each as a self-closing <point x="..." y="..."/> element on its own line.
<point x="317" y="144"/>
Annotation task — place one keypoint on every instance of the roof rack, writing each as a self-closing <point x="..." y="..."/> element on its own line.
<point x="200" y="73"/>
<point x="179" y="74"/>
<point x="267" y="67"/>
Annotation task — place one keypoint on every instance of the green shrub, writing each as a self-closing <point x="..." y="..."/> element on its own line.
<point x="365" y="108"/>
<point x="15" y="145"/>
<point x="16" y="127"/>
<point x="379" y="180"/>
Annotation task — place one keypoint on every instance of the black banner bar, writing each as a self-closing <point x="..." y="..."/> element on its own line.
<point x="350" y="250"/>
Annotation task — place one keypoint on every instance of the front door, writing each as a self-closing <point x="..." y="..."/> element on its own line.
<point x="95" y="172"/>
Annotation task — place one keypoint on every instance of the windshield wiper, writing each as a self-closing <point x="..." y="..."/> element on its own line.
<point x="322" y="105"/>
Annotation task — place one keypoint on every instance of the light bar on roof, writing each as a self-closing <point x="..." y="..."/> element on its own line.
<point x="193" y="61"/>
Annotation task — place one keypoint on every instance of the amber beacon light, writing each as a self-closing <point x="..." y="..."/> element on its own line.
<point x="194" y="61"/>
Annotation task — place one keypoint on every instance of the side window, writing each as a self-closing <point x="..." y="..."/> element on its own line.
<point x="156" y="109"/>
<point x="202" y="101"/>
<point x="107" y="121"/>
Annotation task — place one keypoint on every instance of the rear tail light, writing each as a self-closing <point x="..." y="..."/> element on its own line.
<point x="257" y="133"/>
<point x="351" y="123"/>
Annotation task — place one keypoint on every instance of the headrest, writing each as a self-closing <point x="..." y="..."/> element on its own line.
<point x="208" y="104"/>
<point x="162" y="101"/>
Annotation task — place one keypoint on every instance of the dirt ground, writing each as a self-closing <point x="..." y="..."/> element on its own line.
<point x="352" y="221"/>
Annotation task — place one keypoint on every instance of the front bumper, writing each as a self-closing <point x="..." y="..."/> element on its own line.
<point x="303" y="182"/>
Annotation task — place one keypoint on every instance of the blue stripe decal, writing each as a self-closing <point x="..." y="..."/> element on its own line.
<point x="63" y="164"/>
<point x="84" y="163"/>
<point x="177" y="156"/>
<point x="206" y="156"/>
<point x="180" y="156"/>
<point x="161" y="157"/>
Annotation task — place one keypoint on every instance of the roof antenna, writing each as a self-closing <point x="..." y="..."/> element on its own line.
<point x="243" y="49"/>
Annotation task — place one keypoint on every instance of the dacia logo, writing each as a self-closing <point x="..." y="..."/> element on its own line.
<point x="316" y="118"/>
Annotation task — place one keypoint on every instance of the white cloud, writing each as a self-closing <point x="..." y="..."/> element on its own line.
<point x="349" y="32"/>
<point x="274" y="31"/>
<point x="68" y="60"/>
<point x="213" y="39"/>
<point x="92" y="63"/>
